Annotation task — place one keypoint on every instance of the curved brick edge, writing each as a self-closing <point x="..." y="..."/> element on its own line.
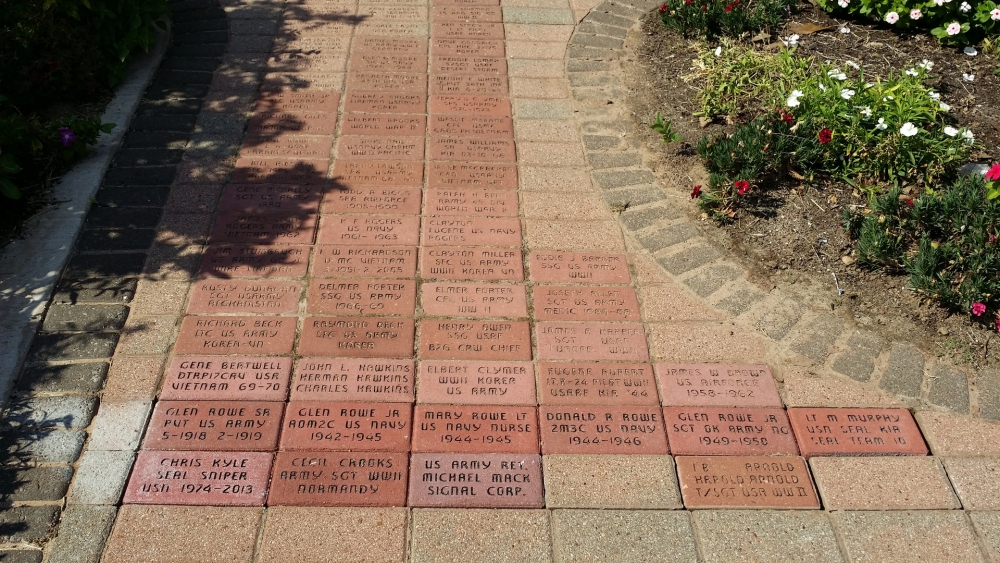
<point x="801" y="328"/>
<point x="151" y="209"/>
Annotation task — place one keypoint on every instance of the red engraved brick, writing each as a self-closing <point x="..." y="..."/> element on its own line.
<point x="482" y="300"/>
<point x="232" y="426"/>
<point x="596" y="383"/>
<point x="745" y="482"/>
<point x="254" y="261"/>
<point x="472" y="105"/>
<point x="309" y="62"/>
<point x="389" y="45"/>
<point x="585" y="303"/>
<point x="315" y="27"/>
<point x="383" y="12"/>
<point x="389" y="28"/>
<point x="380" y="147"/>
<point x="467" y="48"/>
<point x="279" y="171"/>
<point x="467" y="13"/>
<point x="387" y="82"/>
<point x="362" y="296"/>
<point x="484" y="149"/>
<point x="856" y="432"/>
<point x="729" y="431"/>
<point x="558" y="340"/>
<point x="360" y="337"/>
<point x="467" y="30"/>
<point x="468" y="2"/>
<point x="474" y="340"/>
<point x="264" y="228"/>
<point x="717" y="385"/>
<point x="591" y="429"/>
<point x="256" y="199"/>
<point x="199" y="478"/>
<point x="360" y="427"/>
<point x="222" y="336"/>
<point x="477" y="383"/>
<point x="369" y="229"/>
<point x="299" y="100"/>
<point x="292" y="123"/>
<point x="476" y="480"/>
<point x="379" y="62"/>
<point x="469" y="84"/>
<point x="317" y="81"/>
<point x="389" y="125"/>
<point x="301" y="43"/>
<point x="370" y="199"/>
<point x="339" y="479"/>
<point x="287" y="147"/>
<point x="494" y="66"/>
<point x="386" y="102"/>
<point x="325" y="8"/>
<point x="471" y="203"/>
<point x="468" y="263"/>
<point x="349" y="261"/>
<point x="471" y="231"/>
<point x="346" y="379"/>
<point x="228" y="378"/>
<point x="244" y="296"/>
<point x="349" y="173"/>
<point x="471" y="126"/>
<point x="475" y="429"/>
<point x="465" y="175"/>
<point x="578" y="267"/>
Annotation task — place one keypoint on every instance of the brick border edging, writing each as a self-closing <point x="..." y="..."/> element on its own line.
<point x="655" y="216"/>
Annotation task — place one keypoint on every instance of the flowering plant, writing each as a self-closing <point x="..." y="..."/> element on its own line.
<point x="955" y="22"/>
<point x="722" y="18"/>
<point x="993" y="182"/>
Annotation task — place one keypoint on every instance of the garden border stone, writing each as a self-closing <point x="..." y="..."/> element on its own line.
<point x="31" y="265"/>
<point x="804" y="334"/>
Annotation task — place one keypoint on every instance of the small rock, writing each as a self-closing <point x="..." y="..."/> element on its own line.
<point x="943" y="331"/>
<point x="847" y="260"/>
<point x="704" y="121"/>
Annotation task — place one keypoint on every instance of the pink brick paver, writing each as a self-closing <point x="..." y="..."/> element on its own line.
<point x="412" y="298"/>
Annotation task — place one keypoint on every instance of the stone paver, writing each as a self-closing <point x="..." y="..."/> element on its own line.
<point x="162" y="534"/>
<point x="765" y="535"/>
<point x="365" y="535"/>
<point x="620" y="536"/>
<point x="976" y="480"/>
<point x="897" y="483"/>
<point x="938" y="536"/>
<point x="450" y="535"/>
<point x="610" y="481"/>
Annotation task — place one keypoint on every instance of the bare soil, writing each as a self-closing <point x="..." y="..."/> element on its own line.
<point x="792" y="237"/>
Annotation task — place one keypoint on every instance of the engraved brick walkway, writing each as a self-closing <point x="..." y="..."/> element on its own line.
<point x="399" y="323"/>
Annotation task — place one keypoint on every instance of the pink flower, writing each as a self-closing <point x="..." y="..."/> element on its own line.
<point x="892" y="17"/>
<point x="916" y="14"/>
<point x="993" y="238"/>
<point x="995" y="14"/>
<point x="993" y="173"/>
<point x="978" y="308"/>
<point x="742" y="186"/>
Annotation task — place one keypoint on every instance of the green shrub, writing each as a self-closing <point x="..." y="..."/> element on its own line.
<point x="947" y="240"/>
<point x="741" y="82"/>
<point x="955" y="22"/>
<point x="723" y="18"/>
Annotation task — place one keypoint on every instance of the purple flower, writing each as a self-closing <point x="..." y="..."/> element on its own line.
<point x="66" y="136"/>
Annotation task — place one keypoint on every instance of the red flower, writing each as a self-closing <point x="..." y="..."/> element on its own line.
<point x="696" y="192"/>
<point x="993" y="238"/>
<point x="742" y="186"/>
<point x="687" y="2"/>
<point x="788" y="118"/>
<point x="911" y="202"/>
<point x="663" y="8"/>
<point x="993" y="173"/>
<point x="704" y="8"/>
<point x="729" y="8"/>
<point x="825" y="136"/>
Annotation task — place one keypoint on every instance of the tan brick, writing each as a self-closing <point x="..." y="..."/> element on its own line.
<point x="537" y="32"/>
<point x="928" y="536"/>
<point x="363" y="535"/>
<point x="181" y="534"/>
<point x="669" y="302"/>
<point x="133" y="378"/>
<point x="554" y="179"/>
<point x="622" y="536"/>
<point x="536" y="68"/>
<point x="765" y="536"/>
<point x="610" y="481"/>
<point x="157" y="297"/>
<point x="882" y="483"/>
<point x="544" y="130"/>
<point x="552" y="88"/>
<point x="804" y="388"/>
<point x="564" y="206"/>
<point x="550" y="154"/>
<point x="699" y="342"/>
<point x="976" y="480"/>
<point x="484" y="535"/>
<point x="952" y="435"/>
<point x="179" y="229"/>
<point x="536" y="50"/>
<point x="591" y="236"/>
<point x="147" y="336"/>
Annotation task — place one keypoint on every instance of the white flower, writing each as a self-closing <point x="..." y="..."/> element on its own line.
<point x="847" y="93"/>
<point x="792" y="40"/>
<point x="887" y="98"/>
<point x="853" y="65"/>
<point x="954" y="28"/>
<point x="844" y="3"/>
<point x="965" y="7"/>
<point x="971" y="51"/>
<point x="866" y="112"/>
<point x="934" y="96"/>
<point x="969" y="77"/>
<point x="926" y="65"/>
<point x="995" y="14"/>
<point x="869" y="84"/>
<point x="911" y="72"/>
<point x="793" y="100"/>
<point x="844" y="29"/>
<point x="950" y="131"/>
<point x="939" y="2"/>
<point x="916" y="14"/>
<point x="835" y="73"/>
<point x="892" y="17"/>
<point x="881" y="124"/>
<point x="968" y="136"/>
<point x="944" y="106"/>
<point x="908" y="129"/>
<point x="718" y="51"/>
<point x="822" y="87"/>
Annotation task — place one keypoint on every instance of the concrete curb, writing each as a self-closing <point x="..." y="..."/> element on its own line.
<point x="654" y="214"/>
<point x="31" y="266"/>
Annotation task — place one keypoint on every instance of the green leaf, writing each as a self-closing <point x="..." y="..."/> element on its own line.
<point x="8" y="165"/>
<point x="8" y="189"/>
